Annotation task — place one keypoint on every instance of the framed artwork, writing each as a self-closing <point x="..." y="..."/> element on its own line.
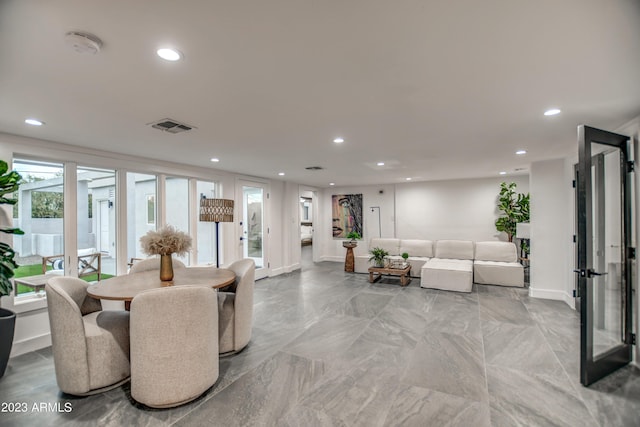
<point x="346" y="214"/>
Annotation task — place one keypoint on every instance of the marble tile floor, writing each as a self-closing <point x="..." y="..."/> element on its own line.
<point x="330" y="349"/>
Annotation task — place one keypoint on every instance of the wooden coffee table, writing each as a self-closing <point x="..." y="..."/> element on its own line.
<point x="375" y="273"/>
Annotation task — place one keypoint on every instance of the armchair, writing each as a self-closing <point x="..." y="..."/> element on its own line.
<point x="90" y="346"/>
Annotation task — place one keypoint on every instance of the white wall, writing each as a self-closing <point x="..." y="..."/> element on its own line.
<point x="455" y="209"/>
<point x="551" y="255"/>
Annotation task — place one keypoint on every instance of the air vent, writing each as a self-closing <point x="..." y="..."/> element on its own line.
<point x="314" y="168"/>
<point x="171" y="126"/>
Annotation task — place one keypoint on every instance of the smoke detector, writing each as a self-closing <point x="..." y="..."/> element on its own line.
<point x="84" y="43"/>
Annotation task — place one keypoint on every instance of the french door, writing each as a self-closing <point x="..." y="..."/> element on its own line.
<point x="604" y="252"/>
<point x="254" y="230"/>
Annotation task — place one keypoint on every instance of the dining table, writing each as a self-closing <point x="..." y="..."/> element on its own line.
<point x="127" y="286"/>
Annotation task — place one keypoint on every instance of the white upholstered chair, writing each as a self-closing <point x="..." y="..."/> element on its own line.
<point x="90" y="346"/>
<point x="152" y="264"/>
<point x="174" y="345"/>
<point x="235" y="308"/>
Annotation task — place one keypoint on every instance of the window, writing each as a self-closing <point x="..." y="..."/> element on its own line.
<point x="151" y="209"/>
<point x="177" y="206"/>
<point x="39" y="212"/>
<point x="96" y="196"/>
<point x="206" y="230"/>
<point x="141" y="210"/>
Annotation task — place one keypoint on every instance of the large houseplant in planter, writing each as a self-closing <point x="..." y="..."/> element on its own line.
<point x="513" y="207"/>
<point x="9" y="182"/>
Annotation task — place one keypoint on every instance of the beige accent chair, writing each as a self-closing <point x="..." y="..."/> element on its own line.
<point x="235" y="308"/>
<point x="90" y="346"/>
<point x="174" y="345"/>
<point x="152" y="264"/>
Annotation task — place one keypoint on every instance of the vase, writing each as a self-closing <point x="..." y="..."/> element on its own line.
<point x="166" y="268"/>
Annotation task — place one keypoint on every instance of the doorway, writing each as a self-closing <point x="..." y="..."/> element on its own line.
<point x="254" y="230"/>
<point x="605" y="252"/>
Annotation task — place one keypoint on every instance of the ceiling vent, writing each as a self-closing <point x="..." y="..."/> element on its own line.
<point x="171" y="126"/>
<point x="314" y="168"/>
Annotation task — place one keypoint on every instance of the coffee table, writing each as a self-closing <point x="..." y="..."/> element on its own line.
<point x="36" y="283"/>
<point x="375" y="273"/>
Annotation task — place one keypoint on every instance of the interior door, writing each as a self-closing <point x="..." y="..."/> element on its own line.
<point x="253" y="229"/>
<point x="604" y="252"/>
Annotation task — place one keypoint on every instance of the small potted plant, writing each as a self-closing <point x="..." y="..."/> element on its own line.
<point x="378" y="256"/>
<point x="405" y="256"/>
<point x="352" y="242"/>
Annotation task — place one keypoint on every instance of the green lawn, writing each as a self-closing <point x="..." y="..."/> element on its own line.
<point x="36" y="269"/>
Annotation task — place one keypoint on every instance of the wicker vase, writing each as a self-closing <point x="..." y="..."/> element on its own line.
<point x="166" y="268"/>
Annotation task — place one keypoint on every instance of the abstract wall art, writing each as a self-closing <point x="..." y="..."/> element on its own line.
<point x="346" y="214"/>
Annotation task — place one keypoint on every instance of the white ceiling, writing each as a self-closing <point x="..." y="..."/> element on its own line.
<point x="435" y="89"/>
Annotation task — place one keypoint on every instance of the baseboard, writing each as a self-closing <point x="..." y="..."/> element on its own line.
<point x="332" y="258"/>
<point x="277" y="271"/>
<point x="30" y="344"/>
<point x="551" y="294"/>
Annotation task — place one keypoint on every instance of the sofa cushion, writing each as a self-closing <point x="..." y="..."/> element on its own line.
<point x="417" y="248"/>
<point x="390" y="245"/>
<point x="496" y="251"/>
<point x="447" y="274"/>
<point x="454" y="249"/>
<point x="498" y="273"/>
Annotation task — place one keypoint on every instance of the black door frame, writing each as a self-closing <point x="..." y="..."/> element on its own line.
<point x="591" y="370"/>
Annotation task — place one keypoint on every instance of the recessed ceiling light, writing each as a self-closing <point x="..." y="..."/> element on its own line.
<point x="215" y="159"/>
<point x="281" y="173"/>
<point x="169" y="54"/>
<point x="521" y="152"/>
<point x="332" y="183"/>
<point x="380" y="163"/>
<point x="407" y="179"/>
<point x="338" y="140"/>
<point x="34" y="122"/>
<point x="503" y="173"/>
<point x="552" y="112"/>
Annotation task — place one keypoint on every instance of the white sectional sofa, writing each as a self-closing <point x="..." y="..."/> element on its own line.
<point x="453" y="264"/>
<point x="496" y="263"/>
<point x="420" y="251"/>
<point x="452" y="267"/>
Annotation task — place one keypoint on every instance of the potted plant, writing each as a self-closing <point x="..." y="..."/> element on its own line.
<point x="354" y="235"/>
<point x="352" y="243"/>
<point x="9" y="182"/>
<point x="405" y="256"/>
<point x="513" y="207"/>
<point x="377" y="256"/>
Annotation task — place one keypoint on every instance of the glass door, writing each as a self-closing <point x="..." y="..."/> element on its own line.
<point x="253" y="229"/>
<point x="604" y="252"/>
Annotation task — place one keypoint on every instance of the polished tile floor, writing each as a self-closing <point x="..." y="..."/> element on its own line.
<point x="330" y="349"/>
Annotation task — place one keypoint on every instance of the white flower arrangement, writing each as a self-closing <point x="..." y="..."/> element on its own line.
<point x="165" y="241"/>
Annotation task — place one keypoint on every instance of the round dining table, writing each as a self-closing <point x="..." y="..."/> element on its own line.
<point x="126" y="287"/>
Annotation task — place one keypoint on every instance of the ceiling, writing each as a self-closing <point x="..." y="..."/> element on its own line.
<point x="434" y="89"/>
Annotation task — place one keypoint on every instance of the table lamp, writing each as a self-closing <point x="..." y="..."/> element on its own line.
<point x="216" y="210"/>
